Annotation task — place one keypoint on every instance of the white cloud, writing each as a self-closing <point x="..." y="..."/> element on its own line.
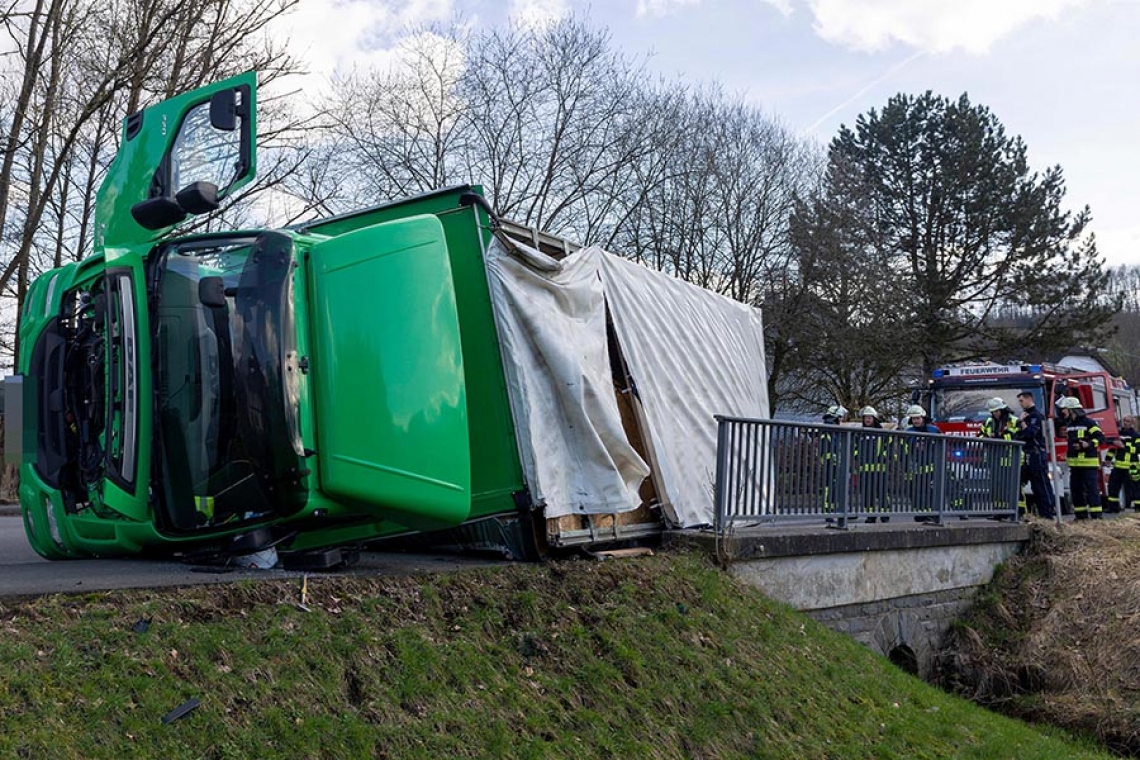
<point x="333" y="35"/>
<point x="419" y="11"/>
<point x="662" y="7"/>
<point x="537" y="13"/>
<point x="935" y="26"/>
<point x="669" y="7"/>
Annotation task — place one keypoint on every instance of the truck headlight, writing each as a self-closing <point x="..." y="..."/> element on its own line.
<point x="53" y="526"/>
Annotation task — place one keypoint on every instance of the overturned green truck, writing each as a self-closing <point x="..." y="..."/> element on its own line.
<point x="419" y="367"/>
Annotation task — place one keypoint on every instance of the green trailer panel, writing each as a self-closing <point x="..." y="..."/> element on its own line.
<point x="388" y="376"/>
<point x="496" y="473"/>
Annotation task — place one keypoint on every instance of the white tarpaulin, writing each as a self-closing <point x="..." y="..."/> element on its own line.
<point x="552" y="326"/>
<point x="693" y="354"/>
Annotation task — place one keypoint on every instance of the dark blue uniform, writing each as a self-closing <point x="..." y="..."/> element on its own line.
<point x="1036" y="469"/>
<point x="919" y="455"/>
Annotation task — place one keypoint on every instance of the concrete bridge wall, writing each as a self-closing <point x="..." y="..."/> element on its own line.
<point x="896" y="589"/>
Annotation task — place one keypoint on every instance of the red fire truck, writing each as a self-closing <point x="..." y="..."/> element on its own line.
<point x="957" y="394"/>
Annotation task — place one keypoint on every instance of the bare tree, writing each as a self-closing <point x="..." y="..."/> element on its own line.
<point x="1121" y="348"/>
<point x="558" y="127"/>
<point x="720" y="214"/>
<point x="398" y="131"/>
<point x="559" y="117"/>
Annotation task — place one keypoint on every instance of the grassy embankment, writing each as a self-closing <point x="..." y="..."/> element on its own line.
<point x="663" y="657"/>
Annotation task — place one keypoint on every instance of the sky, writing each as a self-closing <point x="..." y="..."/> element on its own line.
<point x="1062" y="74"/>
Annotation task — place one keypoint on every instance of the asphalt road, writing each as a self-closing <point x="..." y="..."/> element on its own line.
<point x="25" y="573"/>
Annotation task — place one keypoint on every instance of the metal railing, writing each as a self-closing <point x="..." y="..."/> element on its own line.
<point x="772" y="471"/>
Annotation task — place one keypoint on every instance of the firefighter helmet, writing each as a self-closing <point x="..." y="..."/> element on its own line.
<point x="869" y="411"/>
<point x="916" y="411"/>
<point x="836" y="410"/>
<point x="996" y="403"/>
<point x="1069" y="402"/>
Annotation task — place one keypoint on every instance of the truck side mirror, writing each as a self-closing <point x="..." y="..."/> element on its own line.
<point x="212" y="292"/>
<point x="156" y="213"/>
<point x="198" y="197"/>
<point x="223" y="110"/>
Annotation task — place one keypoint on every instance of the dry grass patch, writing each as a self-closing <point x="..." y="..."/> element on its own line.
<point x="1056" y="638"/>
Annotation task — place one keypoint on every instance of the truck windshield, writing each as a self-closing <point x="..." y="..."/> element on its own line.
<point x="968" y="403"/>
<point x="225" y="390"/>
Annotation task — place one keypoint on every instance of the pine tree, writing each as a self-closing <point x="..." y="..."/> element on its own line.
<point x="981" y="255"/>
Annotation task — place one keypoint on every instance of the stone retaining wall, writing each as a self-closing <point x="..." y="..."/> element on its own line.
<point x="908" y="630"/>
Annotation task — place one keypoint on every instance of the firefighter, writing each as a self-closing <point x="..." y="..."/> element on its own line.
<point x="1035" y="467"/>
<point x="835" y="415"/>
<point x="872" y="453"/>
<point x="1002" y="425"/>
<point x="830" y="449"/>
<point x="1125" y="468"/>
<point x="1084" y="439"/>
<point x="920" y="462"/>
<point x="919" y="422"/>
<point x="1001" y="422"/>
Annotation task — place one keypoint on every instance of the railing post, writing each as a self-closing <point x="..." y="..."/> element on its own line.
<point x="1054" y="470"/>
<point x="721" y="486"/>
<point x="843" y="479"/>
<point x="1017" y="455"/>
<point x="941" y="480"/>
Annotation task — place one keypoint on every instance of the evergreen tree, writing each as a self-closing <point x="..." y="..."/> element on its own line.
<point x="979" y="253"/>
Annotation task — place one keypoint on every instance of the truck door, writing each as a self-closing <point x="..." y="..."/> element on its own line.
<point x="176" y="159"/>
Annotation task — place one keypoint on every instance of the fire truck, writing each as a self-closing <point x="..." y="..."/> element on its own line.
<point x="956" y="398"/>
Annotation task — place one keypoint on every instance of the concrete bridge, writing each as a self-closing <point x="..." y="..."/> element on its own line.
<point x="896" y="588"/>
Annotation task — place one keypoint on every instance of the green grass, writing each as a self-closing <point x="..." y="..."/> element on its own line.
<point x="663" y="657"/>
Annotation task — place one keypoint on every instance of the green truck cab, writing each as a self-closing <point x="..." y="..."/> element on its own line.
<point x="301" y="388"/>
